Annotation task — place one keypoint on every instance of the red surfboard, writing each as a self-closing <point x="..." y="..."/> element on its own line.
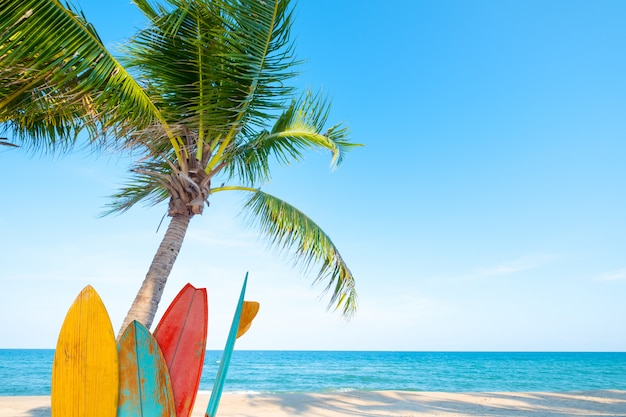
<point x="181" y="335"/>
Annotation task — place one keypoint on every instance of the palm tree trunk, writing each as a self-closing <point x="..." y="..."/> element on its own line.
<point x="147" y="300"/>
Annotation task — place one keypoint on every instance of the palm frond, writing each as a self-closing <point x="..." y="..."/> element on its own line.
<point x="258" y="47"/>
<point x="147" y="8"/>
<point x="291" y="230"/>
<point x="298" y="129"/>
<point x="3" y="142"/>
<point x="218" y="67"/>
<point x="146" y="185"/>
<point x="57" y="78"/>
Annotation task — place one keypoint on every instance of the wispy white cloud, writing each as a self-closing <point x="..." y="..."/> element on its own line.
<point x="617" y="275"/>
<point x="525" y="263"/>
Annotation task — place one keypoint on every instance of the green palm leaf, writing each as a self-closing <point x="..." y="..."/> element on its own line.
<point x="57" y="78"/>
<point x="289" y="229"/>
<point x="298" y="129"/>
<point x="219" y="66"/>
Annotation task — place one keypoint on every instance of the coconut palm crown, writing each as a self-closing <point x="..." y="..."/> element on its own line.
<point x="201" y="97"/>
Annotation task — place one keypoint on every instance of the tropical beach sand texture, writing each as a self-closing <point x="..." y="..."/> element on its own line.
<point x="383" y="404"/>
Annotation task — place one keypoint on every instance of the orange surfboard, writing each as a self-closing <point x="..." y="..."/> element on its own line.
<point x="181" y="335"/>
<point x="85" y="367"/>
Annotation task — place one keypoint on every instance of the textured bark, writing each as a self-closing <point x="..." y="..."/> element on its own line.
<point x="147" y="300"/>
<point x="189" y="192"/>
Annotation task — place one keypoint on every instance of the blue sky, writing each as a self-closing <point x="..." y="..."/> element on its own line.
<point x="486" y="211"/>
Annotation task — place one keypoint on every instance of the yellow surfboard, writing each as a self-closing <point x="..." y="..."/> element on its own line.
<point x="85" y="370"/>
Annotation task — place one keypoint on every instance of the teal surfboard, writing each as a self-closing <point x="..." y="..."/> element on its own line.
<point x="145" y="387"/>
<point x="235" y="332"/>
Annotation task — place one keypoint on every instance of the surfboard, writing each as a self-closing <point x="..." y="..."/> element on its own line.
<point x="248" y="313"/>
<point x="85" y="365"/>
<point x="237" y="329"/>
<point x="181" y="335"/>
<point x="145" y="389"/>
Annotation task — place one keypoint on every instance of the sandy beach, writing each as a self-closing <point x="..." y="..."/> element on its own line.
<point x="383" y="404"/>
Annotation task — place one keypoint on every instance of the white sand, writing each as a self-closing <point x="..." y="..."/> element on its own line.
<point x="383" y="404"/>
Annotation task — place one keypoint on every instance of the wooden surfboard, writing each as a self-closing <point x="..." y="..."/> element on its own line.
<point x="181" y="335"/>
<point x="245" y="312"/>
<point x="145" y="389"/>
<point x="85" y="366"/>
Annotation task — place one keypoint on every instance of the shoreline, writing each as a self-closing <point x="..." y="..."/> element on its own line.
<point x="383" y="404"/>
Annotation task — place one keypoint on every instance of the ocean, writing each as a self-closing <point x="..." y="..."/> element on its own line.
<point x="27" y="371"/>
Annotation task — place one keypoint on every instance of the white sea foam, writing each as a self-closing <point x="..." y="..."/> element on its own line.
<point x="248" y="392"/>
<point x="342" y="390"/>
<point x="242" y="392"/>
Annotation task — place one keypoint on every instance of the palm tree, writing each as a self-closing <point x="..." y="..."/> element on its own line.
<point x="200" y="96"/>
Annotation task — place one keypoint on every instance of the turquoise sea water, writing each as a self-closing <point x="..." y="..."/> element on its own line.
<point x="27" y="372"/>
